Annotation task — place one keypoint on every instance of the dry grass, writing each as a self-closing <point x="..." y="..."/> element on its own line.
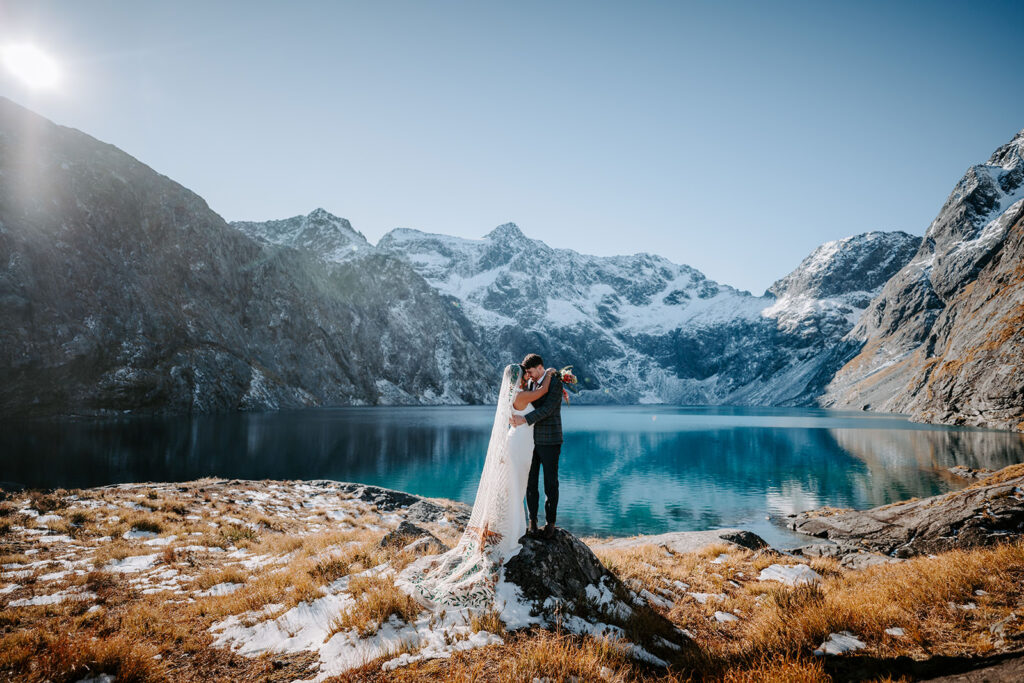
<point x="55" y="656"/>
<point x="212" y="577"/>
<point x="1000" y="476"/>
<point x="778" y="628"/>
<point x="377" y="599"/>
<point x="526" y="655"/>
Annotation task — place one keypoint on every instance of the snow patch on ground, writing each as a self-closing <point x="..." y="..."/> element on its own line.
<point x="135" y="563"/>
<point x="791" y="575"/>
<point x="838" y="643"/>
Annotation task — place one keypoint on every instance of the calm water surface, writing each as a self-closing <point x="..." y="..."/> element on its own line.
<point x="623" y="470"/>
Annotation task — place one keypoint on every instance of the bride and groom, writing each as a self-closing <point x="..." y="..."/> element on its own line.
<point x="526" y="437"/>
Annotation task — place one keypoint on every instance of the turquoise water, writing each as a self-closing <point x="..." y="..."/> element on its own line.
<point x="623" y="470"/>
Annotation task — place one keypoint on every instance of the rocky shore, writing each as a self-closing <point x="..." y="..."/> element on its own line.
<point x="292" y="580"/>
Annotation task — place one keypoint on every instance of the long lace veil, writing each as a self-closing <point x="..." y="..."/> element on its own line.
<point x="488" y="502"/>
<point x="466" y="575"/>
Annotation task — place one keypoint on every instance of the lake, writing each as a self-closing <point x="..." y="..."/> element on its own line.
<point x="623" y="470"/>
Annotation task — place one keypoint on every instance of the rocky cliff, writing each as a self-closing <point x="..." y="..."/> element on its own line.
<point x="942" y="341"/>
<point x="120" y="290"/>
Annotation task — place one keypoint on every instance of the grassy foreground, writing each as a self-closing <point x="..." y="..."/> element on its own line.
<point x="129" y="580"/>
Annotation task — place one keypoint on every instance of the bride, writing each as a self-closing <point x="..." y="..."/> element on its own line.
<point x="466" y="575"/>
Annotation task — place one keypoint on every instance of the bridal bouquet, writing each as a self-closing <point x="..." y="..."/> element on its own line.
<point x="567" y="379"/>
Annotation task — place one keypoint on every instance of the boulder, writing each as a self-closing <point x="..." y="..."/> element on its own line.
<point x="687" y="541"/>
<point x="429" y="511"/>
<point x="385" y="499"/>
<point x="970" y="472"/>
<point x="982" y="514"/>
<point x="561" y="582"/>
<point x="408" y="533"/>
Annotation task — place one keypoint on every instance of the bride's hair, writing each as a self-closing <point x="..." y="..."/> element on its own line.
<point x="515" y="373"/>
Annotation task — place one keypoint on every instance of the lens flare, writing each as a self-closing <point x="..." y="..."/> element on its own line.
<point x="31" y="65"/>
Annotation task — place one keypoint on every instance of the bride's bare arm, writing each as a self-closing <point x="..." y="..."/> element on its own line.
<point x="531" y="396"/>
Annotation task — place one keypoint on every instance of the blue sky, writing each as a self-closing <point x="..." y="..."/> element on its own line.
<point x="731" y="136"/>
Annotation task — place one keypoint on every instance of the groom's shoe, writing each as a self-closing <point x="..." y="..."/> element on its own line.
<point x="532" y="530"/>
<point x="549" y="530"/>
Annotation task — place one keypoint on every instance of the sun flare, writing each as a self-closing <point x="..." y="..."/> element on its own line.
<point x="31" y="65"/>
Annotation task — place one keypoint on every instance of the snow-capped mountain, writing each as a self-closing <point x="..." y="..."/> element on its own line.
<point x="122" y="291"/>
<point x="943" y="340"/>
<point x="332" y="238"/>
<point x="643" y="329"/>
<point x="838" y="280"/>
<point x="637" y="328"/>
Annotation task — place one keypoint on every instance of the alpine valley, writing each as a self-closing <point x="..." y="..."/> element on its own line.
<point x="121" y="290"/>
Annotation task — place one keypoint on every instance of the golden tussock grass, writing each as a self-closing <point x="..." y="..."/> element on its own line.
<point x="45" y="502"/>
<point x="212" y="577"/>
<point x="1000" y="476"/>
<point x="779" y="625"/>
<point x="43" y="656"/>
<point x="377" y="599"/>
<point x="525" y="655"/>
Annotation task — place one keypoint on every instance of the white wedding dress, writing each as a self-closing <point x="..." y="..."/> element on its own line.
<point x="466" y="575"/>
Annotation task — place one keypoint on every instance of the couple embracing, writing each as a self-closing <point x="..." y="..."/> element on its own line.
<point x="525" y="438"/>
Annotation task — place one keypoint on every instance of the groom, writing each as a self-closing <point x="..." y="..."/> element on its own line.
<point x="546" y="418"/>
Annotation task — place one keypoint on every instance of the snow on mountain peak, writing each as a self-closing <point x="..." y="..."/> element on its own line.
<point x="506" y="231"/>
<point x="856" y="264"/>
<point x="333" y="238"/>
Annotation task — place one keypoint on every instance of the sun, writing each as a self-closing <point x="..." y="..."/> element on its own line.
<point x="31" y="65"/>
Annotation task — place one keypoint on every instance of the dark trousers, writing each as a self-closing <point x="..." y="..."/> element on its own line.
<point x="546" y="455"/>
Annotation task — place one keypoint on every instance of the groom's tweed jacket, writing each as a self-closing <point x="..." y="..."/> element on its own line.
<point x="546" y="416"/>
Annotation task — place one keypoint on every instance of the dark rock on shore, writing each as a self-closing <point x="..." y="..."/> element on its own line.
<point x="408" y="533"/>
<point x="970" y="472"/>
<point x="566" y="583"/>
<point x="689" y="541"/>
<point x="420" y="509"/>
<point x="982" y="514"/>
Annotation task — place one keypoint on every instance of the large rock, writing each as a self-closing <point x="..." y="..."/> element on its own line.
<point x="408" y="533"/>
<point x="980" y="515"/>
<point x="561" y="581"/>
<point x="687" y="541"/>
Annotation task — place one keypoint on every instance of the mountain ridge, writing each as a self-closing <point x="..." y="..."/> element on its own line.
<point x="123" y="291"/>
<point x="931" y="324"/>
<point x="619" y="320"/>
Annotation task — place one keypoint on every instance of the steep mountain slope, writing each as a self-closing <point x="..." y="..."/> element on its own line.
<point x="121" y="290"/>
<point x="642" y="329"/>
<point x="942" y="340"/>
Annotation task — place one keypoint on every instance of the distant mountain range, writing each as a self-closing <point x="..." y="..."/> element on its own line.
<point x="121" y="290"/>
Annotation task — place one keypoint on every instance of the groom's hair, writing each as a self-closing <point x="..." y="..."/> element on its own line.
<point x="532" y="360"/>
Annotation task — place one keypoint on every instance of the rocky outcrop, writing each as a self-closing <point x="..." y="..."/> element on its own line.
<point x="563" y="582"/>
<point x="407" y="536"/>
<point x="988" y="512"/>
<point x="416" y="509"/>
<point x="687" y="541"/>
<point x="121" y="291"/>
<point x="943" y="340"/>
